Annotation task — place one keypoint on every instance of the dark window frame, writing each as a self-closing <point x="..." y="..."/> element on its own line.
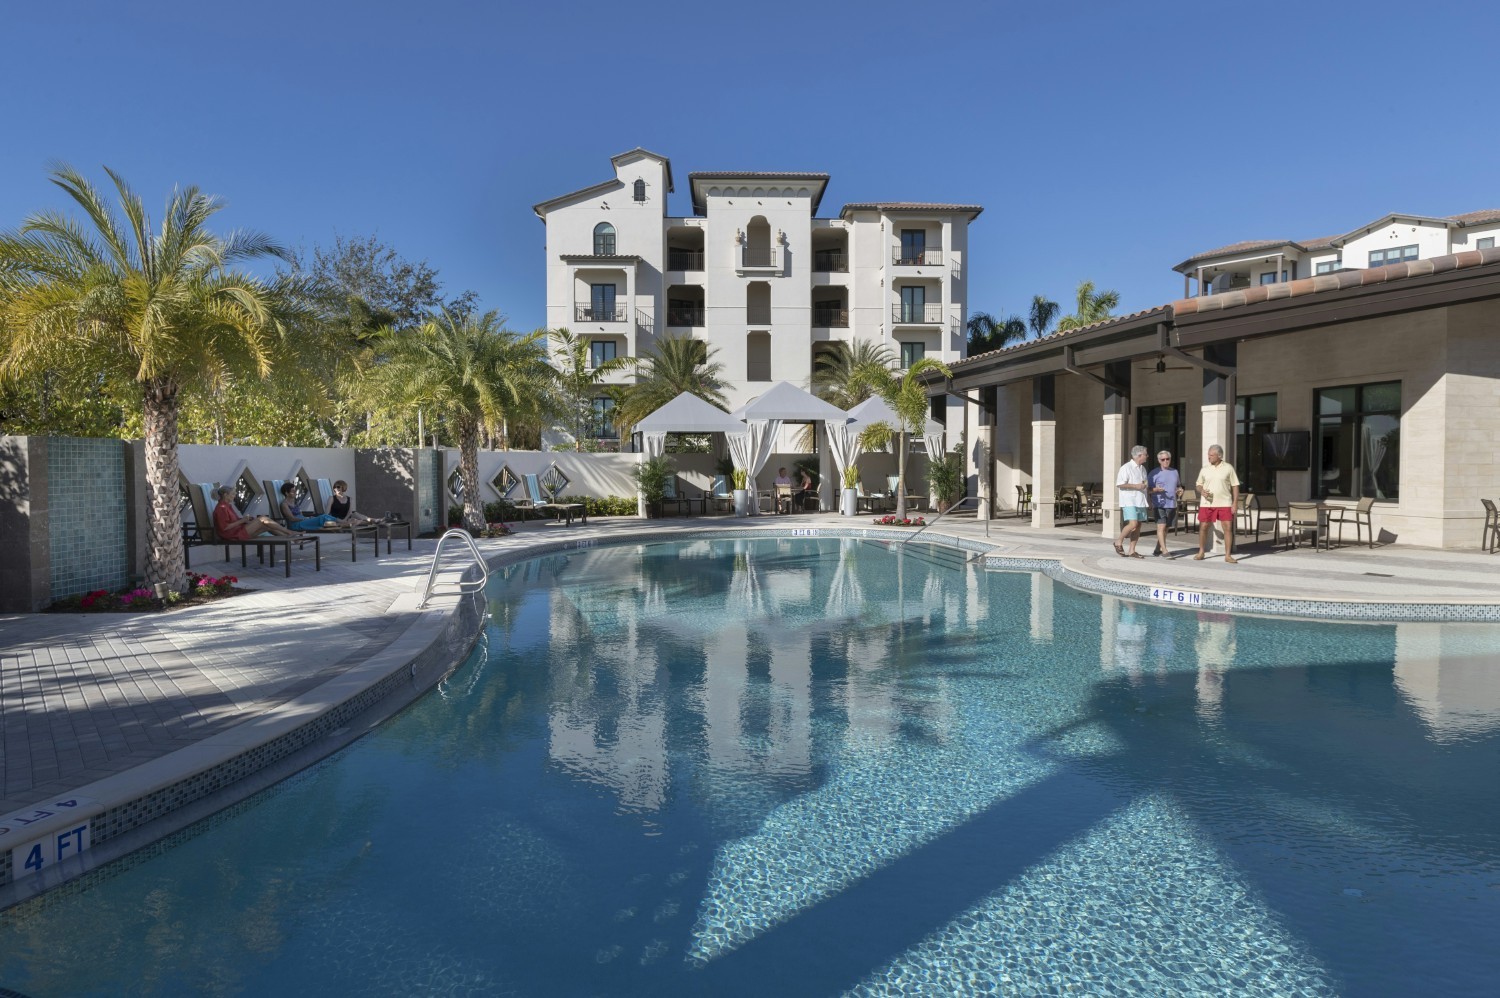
<point x="604" y="239"/>
<point x="1340" y="433"/>
<point x="1249" y="424"/>
<point x="909" y="348"/>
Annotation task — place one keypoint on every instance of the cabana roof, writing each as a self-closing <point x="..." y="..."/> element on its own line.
<point x="788" y="403"/>
<point x="875" y="410"/>
<point x="687" y="413"/>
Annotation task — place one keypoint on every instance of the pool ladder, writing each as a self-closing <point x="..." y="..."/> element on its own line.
<point x="472" y="586"/>
<point x="951" y="509"/>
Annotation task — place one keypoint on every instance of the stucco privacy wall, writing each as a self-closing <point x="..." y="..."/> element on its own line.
<point x="211" y="463"/>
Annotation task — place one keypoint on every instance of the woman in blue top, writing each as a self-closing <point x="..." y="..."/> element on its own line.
<point x="293" y="516"/>
<point x="1164" y="486"/>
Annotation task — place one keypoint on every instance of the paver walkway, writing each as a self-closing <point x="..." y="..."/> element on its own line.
<point x="86" y="696"/>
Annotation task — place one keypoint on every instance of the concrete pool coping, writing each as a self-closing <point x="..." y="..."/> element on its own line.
<point x="262" y="737"/>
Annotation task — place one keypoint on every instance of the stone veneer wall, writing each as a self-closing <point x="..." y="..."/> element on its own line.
<point x="88" y="496"/>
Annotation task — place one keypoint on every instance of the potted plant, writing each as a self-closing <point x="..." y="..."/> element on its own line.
<point x="741" y="493"/>
<point x="945" y="477"/>
<point x="850" y="504"/>
<point x="651" y="478"/>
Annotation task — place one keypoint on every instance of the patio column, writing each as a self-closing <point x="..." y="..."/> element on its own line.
<point x="1116" y="441"/>
<point x="1043" y="449"/>
<point x="980" y="460"/>
<point x="828" y="488"/>
<point x="1217" y="417"/>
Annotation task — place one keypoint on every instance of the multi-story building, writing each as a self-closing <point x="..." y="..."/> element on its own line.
<point x="754" y="273"/>
<point x="1393" y="238"/>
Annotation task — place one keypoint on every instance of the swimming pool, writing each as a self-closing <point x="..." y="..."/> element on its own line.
<point x="810" y="767"/>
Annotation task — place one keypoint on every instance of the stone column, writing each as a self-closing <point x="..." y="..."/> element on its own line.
<point x="1043" y="449"/>
<point x="1116" y="442"/>
<point x="1217" y="416"/>
<point x="980" y="461"/>
<point x="828" y="473"/>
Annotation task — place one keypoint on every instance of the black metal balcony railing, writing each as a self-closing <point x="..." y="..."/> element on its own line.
<point x="923" y="314"/>
<point x="597" y="313"/>
<point x="830" y="262"/>
<point x="758" y="256"/>
<point x="685" y="316"/>
<point x="830" y="318"/>
<point x="926" y="258"/>
<point x="684" y="259"/>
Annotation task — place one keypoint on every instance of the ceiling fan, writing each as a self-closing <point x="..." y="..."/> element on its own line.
<point x="1162" y="368"/>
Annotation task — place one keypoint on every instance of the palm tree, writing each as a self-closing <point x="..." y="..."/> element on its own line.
<point x="834" y="375"/>
<point x="1093" y="306"/>
<point x="469" y="371"/>
<point x="162" y="310"/>
<point x="676" y="364"/>
<point x="579" y="380"/>
<point x="988" y="332"/>
<point x="907" y="397"/>
<point x="1042" y="314"/>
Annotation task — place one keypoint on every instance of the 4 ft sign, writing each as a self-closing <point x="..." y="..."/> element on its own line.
<point x="64" y="839"/>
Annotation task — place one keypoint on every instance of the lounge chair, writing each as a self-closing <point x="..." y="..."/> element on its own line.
<point x="200" y="496"/>
<point x="371" y="530"/>
<point x="721" y="493"/>
<point x="684" y="500"/>
<point x="564" y="510"/>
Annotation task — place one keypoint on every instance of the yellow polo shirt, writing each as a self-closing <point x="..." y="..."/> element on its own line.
<point x="1218" y="479"/>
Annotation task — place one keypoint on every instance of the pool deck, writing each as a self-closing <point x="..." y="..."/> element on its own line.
<point x="108" y="707"/>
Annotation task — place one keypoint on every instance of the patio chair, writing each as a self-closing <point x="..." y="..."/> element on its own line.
<point x="563" y="510"/>
<point x="1304" y="517"/>
<point x="1268" y="508"/>
<point x="684" y="501"/>
<point x="722" y="493"/>
<point x="1023" y="500"/>
<point x="1187" y="510"/>
<point x="1065" y="502"/>
<point x="1243" y="514"/>
<point x="1491" y="540"/>
<point x="1359" y="515"/>
<point x="776" y="499"/>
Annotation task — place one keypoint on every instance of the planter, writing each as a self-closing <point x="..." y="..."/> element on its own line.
<point x="850" y="504"/>
<point x="741" y="502"/>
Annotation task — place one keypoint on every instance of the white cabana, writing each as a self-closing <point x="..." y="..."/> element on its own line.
<point x="877" y="410"/>
<point x="687" y="413"/>
<point x="784" y="402"/>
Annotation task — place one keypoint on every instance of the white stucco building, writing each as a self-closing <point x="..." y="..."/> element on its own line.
<point x="753" y="272"/>
<point x="1394" y="238"/>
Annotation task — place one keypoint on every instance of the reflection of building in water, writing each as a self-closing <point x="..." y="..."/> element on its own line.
<point x="1124" y="634"/>
<point x="1041" y="607"/>
<point x="1450" y="678"/>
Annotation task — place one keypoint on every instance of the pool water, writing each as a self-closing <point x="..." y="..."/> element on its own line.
<point x="833" y="766"/>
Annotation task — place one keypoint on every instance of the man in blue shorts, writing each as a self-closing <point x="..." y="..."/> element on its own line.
<point x="1131" y="481"/>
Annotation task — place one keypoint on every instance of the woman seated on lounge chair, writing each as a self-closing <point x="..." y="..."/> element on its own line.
<point x="340" y="506"/>
<point x="294" y="518"/>
<point x="231" y="526"/>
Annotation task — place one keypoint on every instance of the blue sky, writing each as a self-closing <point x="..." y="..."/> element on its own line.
<point x="1106" y="141"/>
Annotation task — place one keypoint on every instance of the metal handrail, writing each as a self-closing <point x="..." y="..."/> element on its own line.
<point x="944" y="513"/>
<point x="463" y="587"/>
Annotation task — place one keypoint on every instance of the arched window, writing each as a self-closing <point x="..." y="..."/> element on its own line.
<point x="604" y="239"/>
<point x="640" y="190"/>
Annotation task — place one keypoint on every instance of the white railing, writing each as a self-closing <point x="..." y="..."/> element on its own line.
<point x="473" y="586"/>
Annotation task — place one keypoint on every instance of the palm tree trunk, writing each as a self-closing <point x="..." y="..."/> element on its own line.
<point x="901" y="478"/>
<point x="468" y="470"/>
<point x="164" y="560"/>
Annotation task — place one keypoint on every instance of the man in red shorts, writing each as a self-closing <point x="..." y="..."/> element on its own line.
<point x="1218" y="494"/>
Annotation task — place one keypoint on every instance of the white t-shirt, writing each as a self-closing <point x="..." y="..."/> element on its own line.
<point x="1132" y="474"/>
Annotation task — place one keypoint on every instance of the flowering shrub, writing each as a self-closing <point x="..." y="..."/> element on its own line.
<point x="207" y="584"/>
<point x="201" y="588"/>
<point x="890" y="520"/>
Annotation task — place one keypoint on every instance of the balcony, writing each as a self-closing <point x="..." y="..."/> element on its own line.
<point x="830" y="318"/>
<point x="830" y="262"/>
<point x="926" y="258"/>
<point x="678" y="259"/>
<point x="917" y="315"/>
<point x="760" y="260"/>
<point x="685" y="316"/>
<point x="595" y="313"/>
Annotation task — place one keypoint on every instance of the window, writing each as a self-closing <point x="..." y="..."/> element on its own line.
<point x="640" y="190"/>
<point x="1254" y="415"/>
<point x="913" y="245"/>
<point x="913" y="304"/>
<point x="1488" y="242"/>
<point x="1397" y="254"/>
<point x="601" y="351"/>
<point x="758" y="356"/>
<point x="602" y="426"/>
<point x="604" y="239"/>
<point x="1359" y="441"/>
<point x="1161" y="427"/>
<point x="911" y="353"/>
<point x="1329" y="266"/>
<point x="602" y="298"/>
